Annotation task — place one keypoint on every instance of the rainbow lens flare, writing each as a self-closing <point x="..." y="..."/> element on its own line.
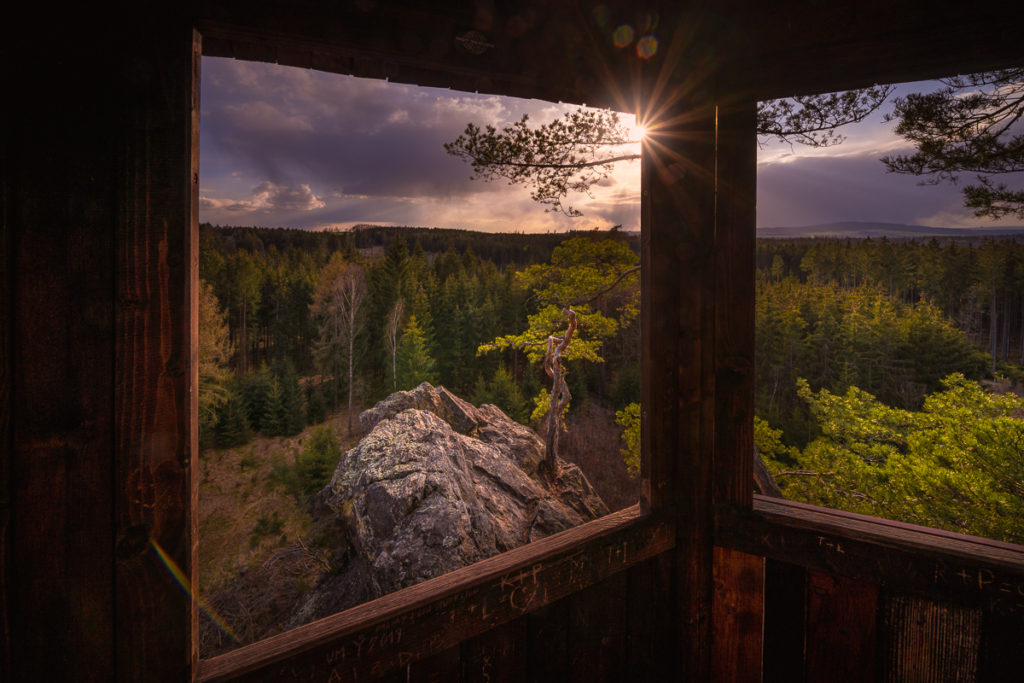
<point x="186" y="586"/>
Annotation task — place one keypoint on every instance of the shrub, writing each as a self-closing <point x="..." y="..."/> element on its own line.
<point x="315" y="465"/>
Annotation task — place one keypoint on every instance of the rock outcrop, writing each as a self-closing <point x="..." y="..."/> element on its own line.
<point x="436" y="484"/>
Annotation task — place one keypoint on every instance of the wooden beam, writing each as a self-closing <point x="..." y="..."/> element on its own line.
<point x="905" y="557"/>
<point x="841" y="629"/>
<point x="735" y="221"/>
<point x="430" y="617"/>
<point x="154" y="364"/>
<point x="738" y="622"/>
<point x="678" y="214"/>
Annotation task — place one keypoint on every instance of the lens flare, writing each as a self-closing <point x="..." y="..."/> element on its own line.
<point x="186" y="586"/>
<point x="647" y="47"/>
<point x="623" y="35"/>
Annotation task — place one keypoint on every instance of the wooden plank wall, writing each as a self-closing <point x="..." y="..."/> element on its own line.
<point x="820" y="626"/>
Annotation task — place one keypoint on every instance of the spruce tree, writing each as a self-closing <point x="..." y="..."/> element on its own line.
<point x="232" y="426"/>
<point x="413" y="363"/>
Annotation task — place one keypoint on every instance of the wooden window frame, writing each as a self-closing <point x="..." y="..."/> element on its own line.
<point x="918" y="560"/>
<point x="424" y="619"/>
<point x="698" y="256"/>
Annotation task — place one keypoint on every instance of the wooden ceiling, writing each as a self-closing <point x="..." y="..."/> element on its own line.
<point x="566" y="50"/>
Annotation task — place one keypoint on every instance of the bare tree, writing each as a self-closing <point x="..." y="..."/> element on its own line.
<point x="336" y="303"/>
<point x="394" y="323"/>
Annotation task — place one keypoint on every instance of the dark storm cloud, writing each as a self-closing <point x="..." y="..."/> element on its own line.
<point x="338" y="134"/>
<point x="815" y="190"/>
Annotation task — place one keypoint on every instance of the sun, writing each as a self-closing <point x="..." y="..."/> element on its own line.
<point x="637" y="132"/>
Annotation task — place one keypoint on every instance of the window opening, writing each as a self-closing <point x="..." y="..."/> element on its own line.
<point x="323" y="312"/>
<point x="890" y="313"/>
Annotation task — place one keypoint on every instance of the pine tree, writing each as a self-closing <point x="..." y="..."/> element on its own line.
<point x="413" y="362"/>
<point x="232" y="426"/>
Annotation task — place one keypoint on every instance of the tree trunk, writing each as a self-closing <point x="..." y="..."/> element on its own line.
<point x="560" y="395"/>
<point x="993" y="328"/>
<point x="351" y="350"/>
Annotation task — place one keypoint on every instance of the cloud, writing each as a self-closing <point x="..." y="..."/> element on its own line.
<point x="267" y="197"/>
<point x="814" y="190"/>
<point x="374" y="151"/>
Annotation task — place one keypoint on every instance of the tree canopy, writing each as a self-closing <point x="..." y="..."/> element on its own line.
<point x="971" y="125"/>
<point x="956" y="464"/>
<point x="574" y="153"/>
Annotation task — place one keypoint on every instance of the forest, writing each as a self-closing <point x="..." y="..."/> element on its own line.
<point x="888" y="378"/>
<point x="294" y="325"/>
<point x="885" y="369"/>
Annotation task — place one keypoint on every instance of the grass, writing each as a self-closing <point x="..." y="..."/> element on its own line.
<point x="256" y="551"/>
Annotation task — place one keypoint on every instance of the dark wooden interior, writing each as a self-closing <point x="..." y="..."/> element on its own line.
<point x="701" y="581"/>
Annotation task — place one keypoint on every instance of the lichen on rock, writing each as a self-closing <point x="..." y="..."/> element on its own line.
<point x="435" y="485"/>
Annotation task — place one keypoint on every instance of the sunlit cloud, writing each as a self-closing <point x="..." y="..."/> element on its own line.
<point x="374" y="152"/>
<point x="266" y="197"/>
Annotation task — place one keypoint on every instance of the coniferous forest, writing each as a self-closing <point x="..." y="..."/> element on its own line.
<point x="886" y="370"/>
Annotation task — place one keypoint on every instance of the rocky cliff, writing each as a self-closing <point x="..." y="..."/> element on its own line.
<point x="436" y="484"/>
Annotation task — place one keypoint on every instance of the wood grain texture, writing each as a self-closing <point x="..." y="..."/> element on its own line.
<point x="520" y="54"/>
<point x="649" y="614"/>
<point x="841" y="624"/>
<point x="735" y="207"/>
<point x="738" y="620"/>
<point x="597" y="632"/>
<point x="404" y="627"/>
<point x="678" y="214"/>
<point x="441" y="667"/>
<point x="923" y="641"/>
<point x="915" y="560"/>
<point x="497" y="655"/>
<point x="547" y="642"/>
<point x="154" y="361"/>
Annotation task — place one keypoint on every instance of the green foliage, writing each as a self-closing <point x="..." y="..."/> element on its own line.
<point x="836" y="338"/>
<point x="629" y="419"/>
<point x="283" y="410"/>
<point x="503" y="392"/>
<point x="414" y="364"/>
<point x="265" y="528"/>
<point x="627" y="386"/>
<point x="956" y="464"/>
<point x="315" y="465"/>
<point x="968" y="126"/>
<point x="232" y="425"/>
<point x="214" y="352"/>
<point x="770" y="445"/>
<point x="315" y="410"/>
<point x="541" y="406"/>
<point x="598" y="278"/>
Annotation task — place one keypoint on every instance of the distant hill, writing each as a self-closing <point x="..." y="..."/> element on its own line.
<point x="501" y="248"/>
<point x="860" y="230"/>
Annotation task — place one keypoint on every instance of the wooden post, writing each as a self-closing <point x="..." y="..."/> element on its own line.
<point x="155" y="360"/>
<point x="678" y="282"/>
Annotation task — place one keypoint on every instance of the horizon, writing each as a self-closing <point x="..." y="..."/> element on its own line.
<point x="310" y="150"/>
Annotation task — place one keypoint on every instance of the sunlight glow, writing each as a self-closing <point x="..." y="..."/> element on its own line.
<point x="637" y="132"/>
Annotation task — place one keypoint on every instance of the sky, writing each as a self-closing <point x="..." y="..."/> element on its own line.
<point x="297" y="148"/>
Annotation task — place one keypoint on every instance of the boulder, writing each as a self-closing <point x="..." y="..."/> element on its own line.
<point x="436" y="484"/>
